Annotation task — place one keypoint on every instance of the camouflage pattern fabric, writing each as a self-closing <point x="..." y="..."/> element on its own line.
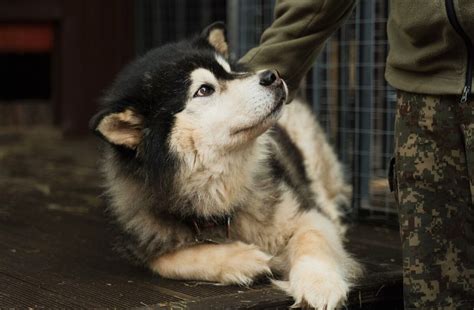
<point x="434" y="188"/>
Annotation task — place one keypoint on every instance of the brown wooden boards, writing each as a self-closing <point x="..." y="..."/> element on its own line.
<point x="55" y="243"/>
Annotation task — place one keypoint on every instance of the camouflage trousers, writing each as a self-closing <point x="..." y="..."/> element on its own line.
<point x="434" y="188"/>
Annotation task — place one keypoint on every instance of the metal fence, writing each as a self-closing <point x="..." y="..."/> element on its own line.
<point x="162" y="21"/>
<point x="347" y="90"/>
<point x="346" y="87"/>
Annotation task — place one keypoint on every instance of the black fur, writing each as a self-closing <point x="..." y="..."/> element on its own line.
<point x="287" y="165"/>
<point x="156" y="87"/>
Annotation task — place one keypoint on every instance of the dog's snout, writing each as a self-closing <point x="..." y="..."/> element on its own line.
<point x="268" y="77"/>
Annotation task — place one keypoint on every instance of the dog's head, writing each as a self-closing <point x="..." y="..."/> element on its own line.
<point x="187" y="98"/>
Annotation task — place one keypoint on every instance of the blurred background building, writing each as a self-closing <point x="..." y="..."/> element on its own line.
<point x="57" y="56"/>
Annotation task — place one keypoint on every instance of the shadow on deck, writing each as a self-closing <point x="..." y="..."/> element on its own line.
<point x="55" y="250"/>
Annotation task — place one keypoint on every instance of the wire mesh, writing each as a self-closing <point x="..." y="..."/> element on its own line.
<point x="161" y="21"/>
<point x="348" y="92"/>
<point x="356" y="106"/>
<point x="345" y="87"/>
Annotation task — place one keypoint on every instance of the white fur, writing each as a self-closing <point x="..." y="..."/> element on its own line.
<point x="221" y="143"/>
<point x="316" y="283"/>
<point x="232" y="263"/>
<point x="205" y="133"/>
<point x="221" y="168"/>
<point x="224" y="64"/>
<point x="320" y="161"/>
<point x="320" y="270"/>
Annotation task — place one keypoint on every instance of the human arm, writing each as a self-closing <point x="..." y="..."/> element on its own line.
<point x="296" y="36"/>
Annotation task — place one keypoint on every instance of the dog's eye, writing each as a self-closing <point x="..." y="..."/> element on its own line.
<point x="204" y="91"/>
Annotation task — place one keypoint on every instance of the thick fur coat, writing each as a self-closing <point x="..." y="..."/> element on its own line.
<point x="210" y="176"/>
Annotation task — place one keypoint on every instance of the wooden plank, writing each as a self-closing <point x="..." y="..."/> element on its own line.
<point x="56" y="252"/>
<point x="28" y="10"/>
<point x="97" y="40"/>
<point x="26" y="113"/>
<point x="91" y="275"/>
<point x="16" y="293"/>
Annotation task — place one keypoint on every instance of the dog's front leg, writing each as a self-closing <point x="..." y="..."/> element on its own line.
<point x="320" y="269"/>
<point x="230" y="263"/>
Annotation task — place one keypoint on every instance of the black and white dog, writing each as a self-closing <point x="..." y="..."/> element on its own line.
<point x="211" y="177"/>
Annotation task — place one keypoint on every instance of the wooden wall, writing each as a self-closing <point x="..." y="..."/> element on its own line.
<point x="93" y="40"/>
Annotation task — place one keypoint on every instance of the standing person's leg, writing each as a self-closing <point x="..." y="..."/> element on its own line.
<point x="435" y="202"/>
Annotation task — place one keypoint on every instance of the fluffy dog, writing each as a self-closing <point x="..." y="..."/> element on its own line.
<point x="212" y="177"/>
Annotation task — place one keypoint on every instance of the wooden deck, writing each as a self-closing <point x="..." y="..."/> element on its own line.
<point x="55" y="250"/>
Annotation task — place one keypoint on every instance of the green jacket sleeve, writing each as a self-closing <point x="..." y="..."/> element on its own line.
<point x="296" y="36"/>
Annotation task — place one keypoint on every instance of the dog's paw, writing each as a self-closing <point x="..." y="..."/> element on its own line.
<point x="243" y="264"/>
<point x="315" y="285"/>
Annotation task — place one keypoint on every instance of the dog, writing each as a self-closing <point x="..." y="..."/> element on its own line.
<point x="212" y="177"/>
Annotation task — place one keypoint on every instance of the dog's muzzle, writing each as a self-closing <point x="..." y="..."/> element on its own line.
<point x="272" y="79"/>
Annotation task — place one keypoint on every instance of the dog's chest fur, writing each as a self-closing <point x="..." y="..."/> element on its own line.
<point x="201" y="151"/>
<point x="247" y="187"/>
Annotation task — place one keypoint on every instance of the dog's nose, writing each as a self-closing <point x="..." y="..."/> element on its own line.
<point x="268" y="77"/>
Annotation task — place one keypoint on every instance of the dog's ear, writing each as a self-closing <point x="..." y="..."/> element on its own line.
<point x="124" y="128"/>
<point x="215" y="35"/>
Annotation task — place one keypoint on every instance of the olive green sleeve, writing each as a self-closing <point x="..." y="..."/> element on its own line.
<point x="296" y="36"/>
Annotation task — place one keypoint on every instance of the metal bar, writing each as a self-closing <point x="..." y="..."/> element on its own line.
<point x="327" y="95"/>
<point x="156" y="23"/>
<point x="342" y="137"/>
<point x="233" y="26"/>
<point x="366" y="79"/>
<point x="243" y="23"/>
<point x="205" y="12"/>
<point x="355" y="159"/>
<point x="140" y="34"/>
<point x="180" y="18"/>
<point x="319" y="98"/>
